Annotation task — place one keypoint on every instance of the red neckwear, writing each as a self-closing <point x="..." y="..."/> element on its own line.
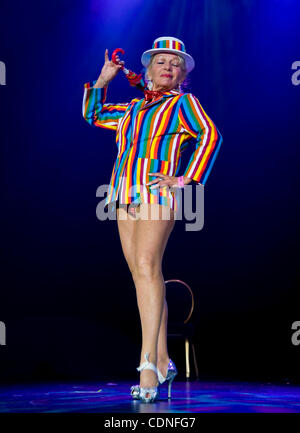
<point x="151" y="94"/>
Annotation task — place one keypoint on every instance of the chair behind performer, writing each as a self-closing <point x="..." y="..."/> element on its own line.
<point x="180" y="300"/>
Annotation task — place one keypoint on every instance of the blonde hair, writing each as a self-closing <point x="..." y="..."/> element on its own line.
<point x="182" y="67"/>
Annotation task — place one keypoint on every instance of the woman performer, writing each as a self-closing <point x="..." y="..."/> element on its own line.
<point x="151" y="134"/>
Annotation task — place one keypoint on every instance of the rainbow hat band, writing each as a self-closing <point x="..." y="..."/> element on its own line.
<point x="167" y="44"/>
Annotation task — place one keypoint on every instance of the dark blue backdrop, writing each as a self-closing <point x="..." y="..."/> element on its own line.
<point x="67" y="297"/>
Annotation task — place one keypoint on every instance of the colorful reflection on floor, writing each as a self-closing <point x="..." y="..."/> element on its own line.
<point x="189" y="397"/>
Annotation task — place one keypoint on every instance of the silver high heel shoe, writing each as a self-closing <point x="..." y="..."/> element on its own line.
<point x="146" y="394"/>
<point x="171" y="373"/>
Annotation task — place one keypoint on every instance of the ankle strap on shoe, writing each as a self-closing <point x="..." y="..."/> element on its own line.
<point x="147" y="365"/>
<point x="161" y="378"/>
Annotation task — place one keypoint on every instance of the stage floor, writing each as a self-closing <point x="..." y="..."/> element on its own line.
<point x="187" y="397"/>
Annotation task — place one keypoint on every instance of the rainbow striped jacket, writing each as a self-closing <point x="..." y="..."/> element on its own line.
<point x="151" y="137"/>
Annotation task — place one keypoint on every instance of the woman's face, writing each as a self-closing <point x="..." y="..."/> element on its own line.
<point x="165" y="71"/>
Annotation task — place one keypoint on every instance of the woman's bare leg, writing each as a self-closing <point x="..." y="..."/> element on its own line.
<point x="127" y="231"/>
<point x="127" y="228"/>
<point x="152" y="233"/>
<point x="162" y="347"/>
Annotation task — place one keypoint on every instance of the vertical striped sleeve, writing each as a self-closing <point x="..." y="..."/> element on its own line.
<point x="96" y="112"/>
<point x="208" y="139"/>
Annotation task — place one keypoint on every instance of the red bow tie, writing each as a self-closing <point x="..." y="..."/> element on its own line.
<point x="150" y="94"/>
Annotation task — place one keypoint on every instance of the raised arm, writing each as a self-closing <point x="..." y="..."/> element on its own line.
<point x="208" y="139"/>
<point x="94" y="109"/>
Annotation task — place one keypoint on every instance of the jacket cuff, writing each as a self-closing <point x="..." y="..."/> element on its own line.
<point x="195" y="180"/>
<point x="98" y="93"/>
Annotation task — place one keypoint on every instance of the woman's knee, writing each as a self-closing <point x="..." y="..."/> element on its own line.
<point x="147" y="266"/>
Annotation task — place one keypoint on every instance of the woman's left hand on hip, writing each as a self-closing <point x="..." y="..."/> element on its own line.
<point x="165" y="180"/>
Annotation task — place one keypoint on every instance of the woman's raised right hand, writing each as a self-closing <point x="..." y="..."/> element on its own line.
<point x="109" y="70"/>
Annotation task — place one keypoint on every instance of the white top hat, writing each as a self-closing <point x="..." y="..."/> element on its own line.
<point x="169" y="45"/>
